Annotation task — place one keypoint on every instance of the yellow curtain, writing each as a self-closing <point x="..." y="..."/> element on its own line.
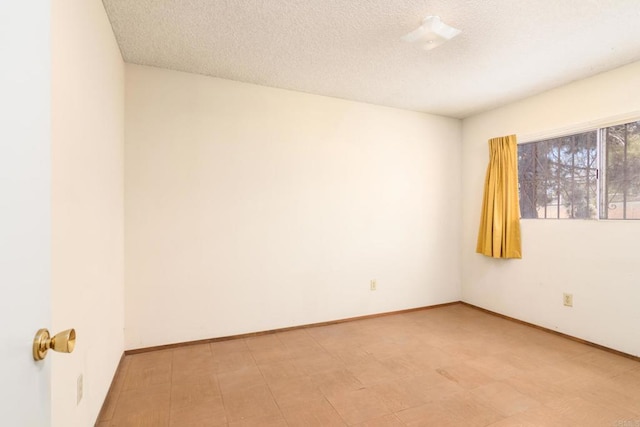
<point x="499" y="235"/>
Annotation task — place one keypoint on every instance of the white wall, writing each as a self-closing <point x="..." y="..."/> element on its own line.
<point x="87" y="206"/>
<point x="251" y="208"/>
<point x="597" y="261"/>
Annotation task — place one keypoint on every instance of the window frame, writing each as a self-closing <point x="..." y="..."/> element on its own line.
<point x="599" y="127"/>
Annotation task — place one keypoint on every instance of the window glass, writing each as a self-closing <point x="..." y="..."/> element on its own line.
<point x="621" y="192"/>
<point x="585" y="175"/>
<point x="558" y="177"/>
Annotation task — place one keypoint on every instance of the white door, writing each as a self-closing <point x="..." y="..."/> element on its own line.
<point x="25" y="209"/>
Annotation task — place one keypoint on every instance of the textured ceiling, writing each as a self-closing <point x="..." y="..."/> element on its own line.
<point x="508" y="49"/>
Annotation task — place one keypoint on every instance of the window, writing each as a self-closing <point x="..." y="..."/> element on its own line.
<point x="589" y="175"/>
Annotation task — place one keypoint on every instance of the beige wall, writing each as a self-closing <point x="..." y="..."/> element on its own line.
<point x="597" y="261"/>
<point x="251" y="208"/>
<point x="87" y="206"/>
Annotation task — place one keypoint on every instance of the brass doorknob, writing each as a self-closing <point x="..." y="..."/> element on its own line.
<point x="63" y="342"/>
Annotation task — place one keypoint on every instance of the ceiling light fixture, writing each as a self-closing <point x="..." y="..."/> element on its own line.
<point x="433" y="32"/>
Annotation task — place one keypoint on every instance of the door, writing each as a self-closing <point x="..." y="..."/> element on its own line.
<point x="25" y="209"/>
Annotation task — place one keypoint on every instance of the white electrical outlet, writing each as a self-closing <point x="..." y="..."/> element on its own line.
<point x="373" y="284"/>
<point x="567" y="300"/>
<point x="80" y="389"/>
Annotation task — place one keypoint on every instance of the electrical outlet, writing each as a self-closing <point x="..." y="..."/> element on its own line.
<point x="79" y="389"/>
<point x="567" y="300"/>
<point x="373" y="284"/>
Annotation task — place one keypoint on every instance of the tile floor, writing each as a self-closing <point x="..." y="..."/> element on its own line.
<point x="448" y="366"/>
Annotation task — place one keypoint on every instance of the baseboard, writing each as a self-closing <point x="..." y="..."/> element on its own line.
<point x="370" y="316"/>
<point x="274" y="331"/>
<point x="551" y="331"/>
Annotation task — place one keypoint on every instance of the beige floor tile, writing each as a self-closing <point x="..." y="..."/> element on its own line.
<point x="111" y="401"/>
<point x="198" y="412"/>
<point x="464" y="375"/>
<point x="462" y="351"/>
<point x="240" y="379"/>
<point x="267" y="348"/>
<point x="503" y="398"/>
<point x="491" y="342"/>
<point x="248" y="403"/>
<point x="452" y="366"/>
<point x="268" y="421"/>
<point x="468" y="411"/>
<point x="605" y="363"/>
<point x="204" y="390"/>
<point x="149" y="370"/>
<point x="627" y="384"/>
<point x="537" y="386"/>
<point x="233" y="361"/>
<point x="524" y="362"/>
<point x="317" y="363"/>
<point x="143" y="407"/>
<point x="401" y="365"/>
<point x="351" y="355"/>
<point x="153" y="418"/>
<point x="398" y="395"/>
<point x="581" y="412"/>
<point x="359" y="406"/>
<point x="191" y="352"/>
<point x="429" y="414"/>
<point x="336" y="382"/>
<point x="569" y="371"/>
<point x="554" y="373"/>
<point x="383" y="349"/>
<point x="535" y="417"/>
<point x="370" y="372"/>
<point x="295" y="391"/>
<point x="410" y="338"/>
<point x="109" y="406"/>
<point x="610" y="394"/>
<point x="432" y="386"/>
<point x="270" y="354"/>
<point x="304" y="351"/>
<point x="318" y="413"/>
<point x="430" y="358"/>
<point x="494" y="367"/>
<point x="279" y="371"/>
<point x="185" y="370"/>
<point x="386" y="421"/>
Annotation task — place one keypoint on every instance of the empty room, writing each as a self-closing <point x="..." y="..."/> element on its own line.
<point x="320" y="213"/>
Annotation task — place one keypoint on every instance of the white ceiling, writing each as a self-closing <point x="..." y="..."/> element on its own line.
<point x="508" y="49"/>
